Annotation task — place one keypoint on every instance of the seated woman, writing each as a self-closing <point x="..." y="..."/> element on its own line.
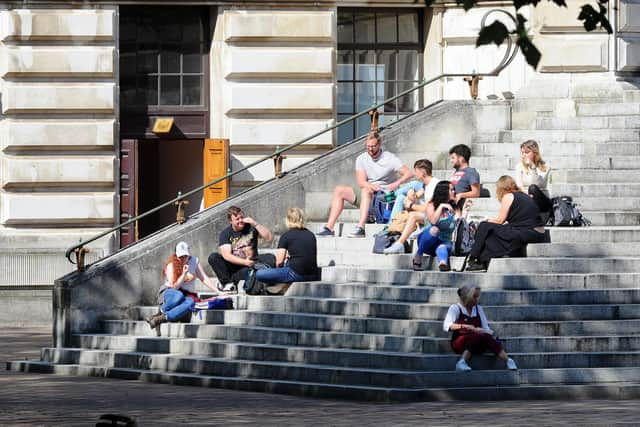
<point x="471" y="332"/>
<point x="296" y="257"/>
<point x="532" y="174"/>
<point x="435" y="240"/>
<point x="494" y="238"/>
<point x="177" y="295"/>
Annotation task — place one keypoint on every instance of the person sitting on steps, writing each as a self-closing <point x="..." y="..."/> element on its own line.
<point x="177" y="296"/>
<point x="418" y="191"/>
<point x="295" y="257"/>
<point x="494" y="238"/>
<point x="465" y="179"/>
<point x="376" y="170"/>
<point x="471" y="332"/>
<point x="532" y="174"/>
<point x="238" y="249"/>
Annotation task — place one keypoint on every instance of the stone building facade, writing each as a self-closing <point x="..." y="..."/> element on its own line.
<point x="82" y="84"/>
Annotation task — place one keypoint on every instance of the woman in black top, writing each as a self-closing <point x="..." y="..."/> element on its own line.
<point x="523" y="225"/>
<point x="299" y="245"/>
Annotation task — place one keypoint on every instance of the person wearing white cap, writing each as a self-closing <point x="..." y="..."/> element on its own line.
<point x="177" y="296"/>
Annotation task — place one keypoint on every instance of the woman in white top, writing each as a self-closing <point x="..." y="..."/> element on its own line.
<point x="471" y="332"/>
<point x="177" y="296"/>
<point x="532" y="174"/>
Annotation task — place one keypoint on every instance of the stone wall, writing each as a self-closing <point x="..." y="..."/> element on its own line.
<point x="58" y="122"/>
<point x="272" y="84"/>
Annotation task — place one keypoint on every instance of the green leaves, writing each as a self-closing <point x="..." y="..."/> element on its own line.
<point x="592" y="17"/>
<point x="496" y="32"/>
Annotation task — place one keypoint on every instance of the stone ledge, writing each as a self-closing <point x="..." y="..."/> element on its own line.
<point x="59" y="61"/>
<point x="278" y="25"/>
<point x="57" y="134"/>
<point x="281" y="97"/>
<point x="57" y="172"/>
<point x="60" y="97"/>
<point x="57" y="24"/>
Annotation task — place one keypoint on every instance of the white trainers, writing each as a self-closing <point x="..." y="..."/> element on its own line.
<point x="416" y="233"/>
<point x="395" y="248"/>
<point x="511" y="365"/>
<point x="462" y="366"/>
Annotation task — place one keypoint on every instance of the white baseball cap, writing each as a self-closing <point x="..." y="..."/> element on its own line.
<point x="182" y="249"/>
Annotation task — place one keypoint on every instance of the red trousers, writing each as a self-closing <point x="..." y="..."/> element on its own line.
<point x="475" y="343"/>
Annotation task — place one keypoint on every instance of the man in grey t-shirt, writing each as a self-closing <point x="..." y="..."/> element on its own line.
<point x="465" y="179"/>
<point x="375" y="170"/>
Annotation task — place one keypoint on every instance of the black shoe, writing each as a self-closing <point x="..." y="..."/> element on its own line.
<point x="417" y="265"/>
<point x="476" y="266"/>
<point x="444" y="267"/>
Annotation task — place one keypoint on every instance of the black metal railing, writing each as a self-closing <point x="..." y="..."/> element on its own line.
<point x="511" y="51"/>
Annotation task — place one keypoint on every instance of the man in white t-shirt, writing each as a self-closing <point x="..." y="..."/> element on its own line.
<point x="375" y="170"/>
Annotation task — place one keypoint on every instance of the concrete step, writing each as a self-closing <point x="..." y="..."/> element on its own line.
<point x="566" y="265"/>
<point x="505" y="163"/>
<point x="580" y="383"/>
<point x="512" y="149"/>
<point x="608" y="109"/>
<point x="352" y="358"/>
<point x="512" y="281"/>
<point x="582" y="250"/>
<point x="596" y="189"/>
<point x="387" y="326"/>
<point x="337" y="374"/>
<point x="577" y="135"/>
<point x="631" y="121"/>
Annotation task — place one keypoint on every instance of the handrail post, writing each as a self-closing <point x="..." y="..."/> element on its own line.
<point x="278" y="160"/>
<point x="474" y="83"/>
<point x="80" y="253"/>
<point x="180" y="205"/>
<point x="374" y="114"/>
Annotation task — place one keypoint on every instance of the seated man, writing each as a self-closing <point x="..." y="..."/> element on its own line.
<point x="465" y="179"/>
<point x="422" y="187"/>
<point x="238" y="249"/>
<point x="376" y="170"/>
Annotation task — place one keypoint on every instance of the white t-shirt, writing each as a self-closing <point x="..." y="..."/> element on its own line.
<point x="454" y="313"/>
<point x="524" y="178"/>
<point x="429" y="188"/>
<point x="381" y="171"/>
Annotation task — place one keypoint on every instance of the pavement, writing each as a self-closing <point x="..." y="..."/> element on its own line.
<point x="52" y="400"/>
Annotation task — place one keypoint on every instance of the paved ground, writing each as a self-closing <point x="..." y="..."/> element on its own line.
<point x="49" y="400"/>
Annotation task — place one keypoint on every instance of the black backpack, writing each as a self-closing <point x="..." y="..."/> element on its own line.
<point x="252" y="286"/>
<point x="566" y="214"/>
<point x="464" y="236"/>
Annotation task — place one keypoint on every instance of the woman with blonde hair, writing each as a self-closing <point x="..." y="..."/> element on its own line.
<point x="532" y="176"/>
<point x="517" y="224"/>
<point x="471" y="332"/>
<point x="296" y="256"/>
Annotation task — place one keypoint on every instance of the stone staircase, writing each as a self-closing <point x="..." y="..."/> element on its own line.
<point x="569" y="314"/>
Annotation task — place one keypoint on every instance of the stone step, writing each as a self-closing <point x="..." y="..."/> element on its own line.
<point x="576" y="135"/>
<point x="578" y="191"/>
<point x="565" y="265"/>
<point x="387" y="326"/>
<point x="337" y="374"/>
<point x="512" y="281"/>
<point x="505" y="163"/>
<point x="352" y="358"/>
<point x="577" y="383"/>
<point x="582" y="250"/>
<point x="608" y="109"/>
<point x="591" y="122"/>
<point x="512" y="149"/>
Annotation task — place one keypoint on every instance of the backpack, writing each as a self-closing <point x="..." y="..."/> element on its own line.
<point x="384" y="239"/>
<point x="252" y="286"/>
<point x="464" y="236"/>
<point x="381" y="207"/>
<point x="566" y="214"/>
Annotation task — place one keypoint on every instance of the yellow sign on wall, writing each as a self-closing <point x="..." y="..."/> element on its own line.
<point x="162" y="125"/>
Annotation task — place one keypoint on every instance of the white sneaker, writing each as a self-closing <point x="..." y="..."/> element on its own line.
<point x="511" y="365"/>
<point x="416" y="233"/>
<point x="395" y="248"/>
<point x="229" y="287"/>
<point x="462" y="366"/>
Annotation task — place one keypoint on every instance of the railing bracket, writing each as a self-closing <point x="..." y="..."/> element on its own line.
<point x="80" y="252"/>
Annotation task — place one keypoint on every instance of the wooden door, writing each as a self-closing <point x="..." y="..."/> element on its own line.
<point x="128" y="190"/>
<point x="215" y="165"/>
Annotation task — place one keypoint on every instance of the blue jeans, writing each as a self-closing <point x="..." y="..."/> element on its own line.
<point x="432" y="245"/>
<point x="278" y="275"/>
<point x="401" y="193"/>
<point x="175" y="304"/>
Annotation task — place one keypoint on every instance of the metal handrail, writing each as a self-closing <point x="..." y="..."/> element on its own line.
<point x="510" y="53"/>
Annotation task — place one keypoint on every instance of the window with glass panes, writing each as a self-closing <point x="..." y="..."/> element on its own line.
<point x="379" y="56"/>
<point x="162" y="57"/>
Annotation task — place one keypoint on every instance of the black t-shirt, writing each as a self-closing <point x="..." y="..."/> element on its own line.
<point x="301" y="245"/>
<point x="244" y="243"/>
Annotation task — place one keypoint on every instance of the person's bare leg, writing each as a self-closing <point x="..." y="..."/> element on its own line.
<point x="466" y="355"/>
<point x="503" y="355"/>
<point x="341" y="194"/>
<point x="365" y="204"/>
<point x="409" y="228"/>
